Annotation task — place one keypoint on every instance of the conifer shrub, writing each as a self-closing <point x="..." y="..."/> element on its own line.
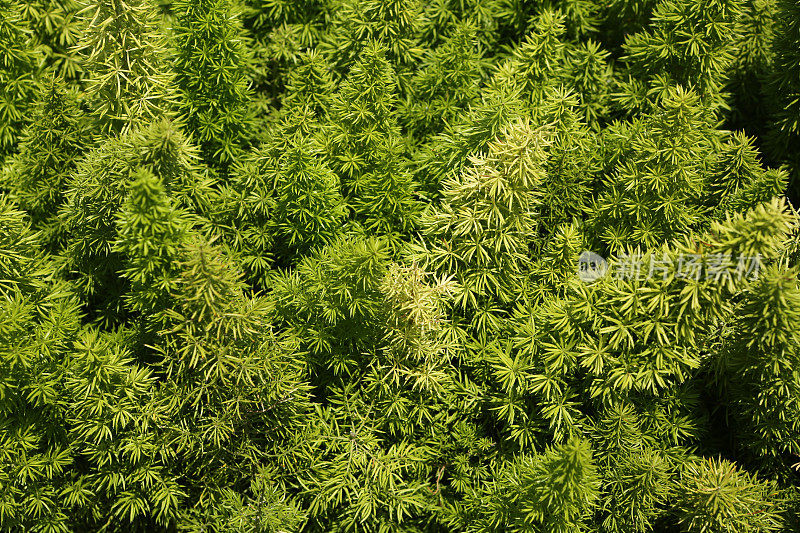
<point x="278" y="266"/>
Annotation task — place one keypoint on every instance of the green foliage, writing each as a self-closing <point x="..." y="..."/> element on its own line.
<point x="356" y="23"/>
<point x="309" y="86"/>
<point x="714" y="495"/>
<point x="688" y="43"/>
<point x="487" y="220"/>
<point x="637" y="474"/>
<point x="263" y="509"/>
<point x="752" y="64"/>
<point x="621" y="17"/>
<point x="211" y="73"/>
<point x="399" y="266"/>
<point x="445" y="84"/>
<point x="149" y="235"/>
<point x="48" y="152"/>
<point x="783" y="92"/>
<point x="126" y="58"/>
<point x="572" y="160"/>
<point x="448" y="153"/>
<point x="738" y="181"/>
<point x="364" y="133"/>
<point x="652" y="194"/>
<point x="332" y="299"/>
<point x="20" y="250"/>
<point x="18" y="73"/>
<point x="309" y="210"/>
<point x="283" y="201"/>
<point x="442" y="18"/>
<point x="108" y="395"/>
<point x="759" y="370"/>
<point x="282" y="31"/>
<point x="96" y="194"/>
<point x="545" y="60"/>
<point x="553" y="491"/>
<point x="57" y="29"/>
<point x="230" y="386"/>
<point x="287" y="25"/>
<point x="364" y="144"/>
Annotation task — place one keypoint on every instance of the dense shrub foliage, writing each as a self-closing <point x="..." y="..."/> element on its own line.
<point x="314" y="265"/>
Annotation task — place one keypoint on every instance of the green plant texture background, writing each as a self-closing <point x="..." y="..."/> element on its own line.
<point x="272" y="266"/>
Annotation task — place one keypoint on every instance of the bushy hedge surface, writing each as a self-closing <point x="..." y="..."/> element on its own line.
<point x="399" y="266"/>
